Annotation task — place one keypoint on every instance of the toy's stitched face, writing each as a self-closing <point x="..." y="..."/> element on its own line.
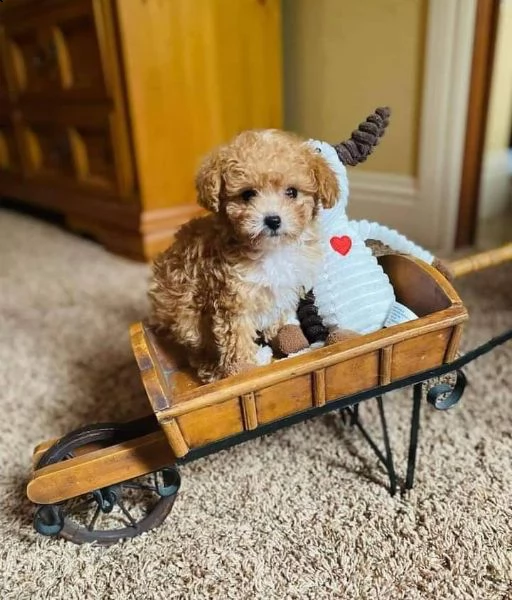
<point x="269" y="185"/>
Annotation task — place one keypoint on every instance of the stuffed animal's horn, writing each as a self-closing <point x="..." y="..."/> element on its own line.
<point x="362" y="141"/>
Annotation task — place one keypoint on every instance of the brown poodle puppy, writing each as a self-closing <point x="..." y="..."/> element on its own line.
<point x="237" y="274"/>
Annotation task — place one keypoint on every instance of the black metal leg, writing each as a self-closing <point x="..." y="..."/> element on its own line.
<point x="413" y="442"/>
<point x="354" y="415"/>
<point x="389" y="455"/>
<point x="387" y="458"/>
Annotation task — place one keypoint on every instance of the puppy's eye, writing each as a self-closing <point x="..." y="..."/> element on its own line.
<point x="291" y="192"/>
<point x="248" y="194"/>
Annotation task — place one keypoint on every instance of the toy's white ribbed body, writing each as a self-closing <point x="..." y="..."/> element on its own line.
<point x="352" y="291"/>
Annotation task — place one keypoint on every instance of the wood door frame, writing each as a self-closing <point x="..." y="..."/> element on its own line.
<point x="486" y="26"/>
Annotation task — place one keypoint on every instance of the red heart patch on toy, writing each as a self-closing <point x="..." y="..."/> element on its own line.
<point x="341" y="244"/>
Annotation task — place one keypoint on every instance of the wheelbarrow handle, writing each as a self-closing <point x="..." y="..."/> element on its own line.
<point x="481" y="260"/>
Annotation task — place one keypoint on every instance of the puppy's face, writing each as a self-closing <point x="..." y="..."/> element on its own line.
<point x="267" y="184"/>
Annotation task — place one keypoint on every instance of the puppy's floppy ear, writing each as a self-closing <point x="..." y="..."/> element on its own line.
<point x="209" y="181"/>
<point x="328" y="188"/>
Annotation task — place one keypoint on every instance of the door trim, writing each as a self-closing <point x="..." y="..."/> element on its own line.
<point x="478" y="106"/>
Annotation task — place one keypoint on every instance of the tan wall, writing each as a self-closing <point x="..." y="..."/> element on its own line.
<point x="500" y="107"/>
<point x="343" y="58"/>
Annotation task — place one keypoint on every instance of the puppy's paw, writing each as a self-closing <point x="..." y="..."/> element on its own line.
<point x="264" y="355"/>
<point x="290" y="340"/>
<point x="238" y="368"/>
<point x="340" y="335"/>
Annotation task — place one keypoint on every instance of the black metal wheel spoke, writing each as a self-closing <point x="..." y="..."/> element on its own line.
<point x="138" y="486"/>
<point x="92" y="523"/>
<point x="125" y="511"/>
<point x="82" y="505"/>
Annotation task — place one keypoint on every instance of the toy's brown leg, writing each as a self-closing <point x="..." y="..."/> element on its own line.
<point x="443" y="268"/>
<point x="379" y="248"/>
<point x="340" y="335"/>
<point x="289" y="340"/>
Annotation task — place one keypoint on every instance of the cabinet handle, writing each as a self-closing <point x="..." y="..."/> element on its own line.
<point x="45" y="57"/>
<point x="108" y="155"/>
<point x="51" y="53"/>
<point x="39" y="59"/>
<point x="61" y="152"/>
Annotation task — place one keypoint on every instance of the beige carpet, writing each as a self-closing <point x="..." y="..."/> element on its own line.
<point x="300" y="514"/>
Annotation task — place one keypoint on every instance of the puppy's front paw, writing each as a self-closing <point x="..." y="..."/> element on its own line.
<point x="264" y="355"/>
<point x="238" y="368"/>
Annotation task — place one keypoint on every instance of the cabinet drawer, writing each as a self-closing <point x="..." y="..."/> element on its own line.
<point x="55" y="52"/>
<point x="83" y="146"/>
<point x="48" y="150"/>
<point x="94" y="154"/>
<point x="10" y="158"/>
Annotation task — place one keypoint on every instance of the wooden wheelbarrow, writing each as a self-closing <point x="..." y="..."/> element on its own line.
<point x="106" y="482"/>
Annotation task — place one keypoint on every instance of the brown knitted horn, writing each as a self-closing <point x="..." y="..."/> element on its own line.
<point x="362" y="141"/>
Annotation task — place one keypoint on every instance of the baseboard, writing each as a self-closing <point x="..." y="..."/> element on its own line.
<point x="495" y="185"/>
<point x="154" y="233"/>
<point x="153" y="221"/>
<point x="119" y="224"/>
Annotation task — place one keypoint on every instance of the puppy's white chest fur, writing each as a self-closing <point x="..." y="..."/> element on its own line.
<point x="276" y="281"/>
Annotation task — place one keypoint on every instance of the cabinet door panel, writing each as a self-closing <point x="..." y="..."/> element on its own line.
<point x="48" y="149"/>
<point x="84" y="145"/>
<point x="55" y="52"/>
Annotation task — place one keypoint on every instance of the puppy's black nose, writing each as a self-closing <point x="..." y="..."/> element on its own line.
<point x="273" y="222"/>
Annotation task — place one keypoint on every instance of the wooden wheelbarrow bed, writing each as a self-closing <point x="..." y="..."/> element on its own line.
<point x="192" y="415"/>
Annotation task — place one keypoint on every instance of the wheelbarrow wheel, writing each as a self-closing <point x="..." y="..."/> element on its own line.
<point x="112" y="513"/>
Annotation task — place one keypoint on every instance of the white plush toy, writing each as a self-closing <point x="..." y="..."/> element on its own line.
<point x="352" y="294"/>
<point x="352" y="291"/>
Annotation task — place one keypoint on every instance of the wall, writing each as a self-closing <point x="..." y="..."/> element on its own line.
<point x="343" y="58"/>
<point x="495" y="182"/>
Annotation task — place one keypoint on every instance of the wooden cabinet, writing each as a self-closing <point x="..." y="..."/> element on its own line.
<point x="106" y="106"/>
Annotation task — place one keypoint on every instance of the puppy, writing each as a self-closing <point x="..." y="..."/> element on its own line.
<point x="236" y="274"/>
